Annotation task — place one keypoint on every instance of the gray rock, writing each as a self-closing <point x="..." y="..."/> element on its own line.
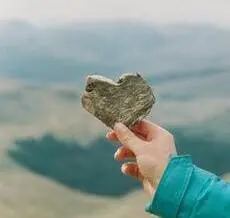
<point x="128" y="100"/>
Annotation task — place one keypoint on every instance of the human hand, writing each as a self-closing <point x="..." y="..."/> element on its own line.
<point x="151" y="147"/>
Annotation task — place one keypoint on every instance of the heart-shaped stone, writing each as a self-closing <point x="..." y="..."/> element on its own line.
<point x="128" y="100"/>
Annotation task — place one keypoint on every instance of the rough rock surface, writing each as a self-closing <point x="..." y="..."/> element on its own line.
<point x="128" y="100"/>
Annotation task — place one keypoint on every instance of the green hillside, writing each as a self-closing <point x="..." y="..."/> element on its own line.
<point x="69" y="52"/>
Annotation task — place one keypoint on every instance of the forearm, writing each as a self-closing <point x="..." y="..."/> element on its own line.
<point x="186" y="191"/>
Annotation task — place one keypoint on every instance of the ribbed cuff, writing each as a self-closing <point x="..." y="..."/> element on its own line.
<point x="172" y="187"/>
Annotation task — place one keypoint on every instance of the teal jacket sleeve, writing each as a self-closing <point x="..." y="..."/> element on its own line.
<point x="186" y="191"/>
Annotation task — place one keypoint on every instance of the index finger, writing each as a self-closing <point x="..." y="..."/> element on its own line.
<point x="128" y="138"/>
<point x="113" y="137"/>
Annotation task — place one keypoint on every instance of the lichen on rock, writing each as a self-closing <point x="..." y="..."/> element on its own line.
<point x="128" y="100"/>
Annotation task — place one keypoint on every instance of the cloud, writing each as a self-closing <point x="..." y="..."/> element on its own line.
<point x="164" y="11"/>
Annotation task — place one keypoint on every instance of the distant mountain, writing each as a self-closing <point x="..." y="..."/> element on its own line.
<point x="68" y="53"/>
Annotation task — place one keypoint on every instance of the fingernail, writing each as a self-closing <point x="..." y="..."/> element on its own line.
<point x="123" y="169"/>
<point x="115" y="155"/>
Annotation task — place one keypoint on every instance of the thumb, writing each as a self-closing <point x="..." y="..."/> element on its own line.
<point x="127" y="137"/>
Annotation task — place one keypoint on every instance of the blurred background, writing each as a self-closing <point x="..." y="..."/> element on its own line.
<point x="54" y="159"/>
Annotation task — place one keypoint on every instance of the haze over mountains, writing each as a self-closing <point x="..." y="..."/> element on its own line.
<point x="47" y="139"/>
<point x="66" y="53"/>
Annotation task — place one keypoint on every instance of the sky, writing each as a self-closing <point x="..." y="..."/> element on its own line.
<point x="215" y="12"/>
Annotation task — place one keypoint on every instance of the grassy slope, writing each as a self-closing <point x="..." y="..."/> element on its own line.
<point x="25" y="195"/>
<point x="54" y="109"/>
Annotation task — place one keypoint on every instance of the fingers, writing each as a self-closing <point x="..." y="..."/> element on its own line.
<point x="144" y="129"/>
<point x="131" y="169"/>
<point x="128" y="138"/>
<point x="123" y="153"/>
<point x="113" y="137"/>
<point x="147" y="129"/>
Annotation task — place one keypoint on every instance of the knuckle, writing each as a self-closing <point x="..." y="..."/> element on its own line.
<point x="126" y="136"/>
<point x="126" y="139"/>
<point x="125" y="131"/>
